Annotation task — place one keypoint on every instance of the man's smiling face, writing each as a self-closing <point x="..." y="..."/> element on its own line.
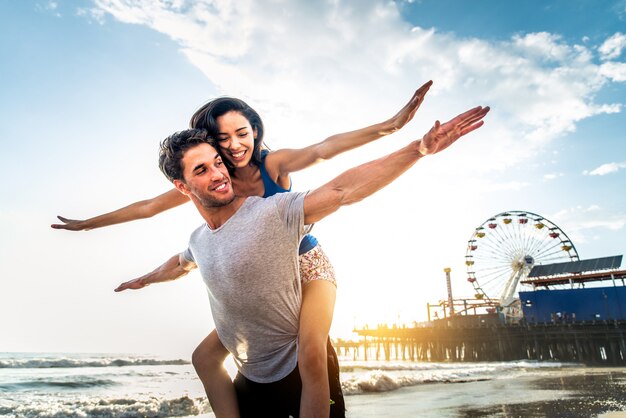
<point x="206" y="178"/>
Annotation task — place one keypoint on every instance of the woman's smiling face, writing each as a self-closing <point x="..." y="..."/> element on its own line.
<point x="235" y="138"/>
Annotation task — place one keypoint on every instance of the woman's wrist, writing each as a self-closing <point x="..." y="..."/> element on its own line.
<point x="387" y="127"/>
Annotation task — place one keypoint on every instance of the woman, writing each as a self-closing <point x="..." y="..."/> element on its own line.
<point x="255" y="171"/>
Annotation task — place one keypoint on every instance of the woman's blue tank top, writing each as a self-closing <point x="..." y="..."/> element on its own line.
<point x="271" y="188"/>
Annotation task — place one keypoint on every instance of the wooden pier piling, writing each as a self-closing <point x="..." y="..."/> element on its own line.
<point x="594" y="343"/>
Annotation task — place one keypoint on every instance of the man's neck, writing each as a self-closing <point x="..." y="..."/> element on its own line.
<point x="215" y="217"/>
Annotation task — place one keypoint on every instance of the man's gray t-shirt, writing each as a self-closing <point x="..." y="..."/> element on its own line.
<point x="250" y="268"/>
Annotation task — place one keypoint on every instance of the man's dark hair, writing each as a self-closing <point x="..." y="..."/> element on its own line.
<point x="173" y="148"/>
<point x="206" y="118"/>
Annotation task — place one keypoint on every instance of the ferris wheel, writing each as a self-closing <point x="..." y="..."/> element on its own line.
<point x="503" y="250"/>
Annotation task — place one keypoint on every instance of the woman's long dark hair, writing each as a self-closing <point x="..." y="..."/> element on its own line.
<point x="206" y="118"/>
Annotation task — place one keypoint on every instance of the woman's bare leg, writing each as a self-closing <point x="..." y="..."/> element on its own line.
<point x="316" y="315"/>
<point x="208" y="360"/>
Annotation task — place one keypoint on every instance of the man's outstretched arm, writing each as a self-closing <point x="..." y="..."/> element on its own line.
<point x="172" y="269"/>
<point x="364" y="180"/>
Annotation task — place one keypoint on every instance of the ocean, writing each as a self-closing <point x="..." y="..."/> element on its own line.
<point x="55" y="385"/>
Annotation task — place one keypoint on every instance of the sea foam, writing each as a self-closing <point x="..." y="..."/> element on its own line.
<point x="108" y="408"/>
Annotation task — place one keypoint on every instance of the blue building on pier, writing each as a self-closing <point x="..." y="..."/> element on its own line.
<point x="580" y="304"/>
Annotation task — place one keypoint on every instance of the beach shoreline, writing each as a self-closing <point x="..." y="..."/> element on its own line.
<point x="582" y="392"/>
<point x="37" y="385"/>
<point x="579" y="392"/>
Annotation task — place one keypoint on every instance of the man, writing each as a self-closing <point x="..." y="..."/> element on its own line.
<point x="247" y="253"/>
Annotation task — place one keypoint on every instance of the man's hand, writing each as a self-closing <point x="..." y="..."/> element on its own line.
<point x="177" y="266"/>
<point x="70" y="224"/>
<point x="131" y="284"/>
<point x="441" y="136"/>
<point x="360" y="182"/>
<point x="405" y="114"/>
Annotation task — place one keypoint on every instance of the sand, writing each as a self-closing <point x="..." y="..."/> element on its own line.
<point x="580" y="393"/>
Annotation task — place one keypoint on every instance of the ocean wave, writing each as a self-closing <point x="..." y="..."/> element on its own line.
<point x="483" y="367"/>
<point x="375" y="376"/>
<point x="108" y="408"/>
<point x="380" y="381"/>
<point x="376" y="382"/>
<point x="50" y="363"/>
<point x="70" y="383"/>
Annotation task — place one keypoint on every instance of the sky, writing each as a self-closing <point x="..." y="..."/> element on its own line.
<point x="89" y="88"/>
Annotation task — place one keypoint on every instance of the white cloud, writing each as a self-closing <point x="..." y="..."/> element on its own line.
<point x="300" y="62"/>
<point x="613" y="224"/>
<point x="615" y="71"/>
<point x="542" y="45"/>
<point x="592" y="208"/>
<point x="613" y="46"/>
<point x="97" y="15"/>
<point x="552" y="176"/>
<point x="620" y="9"/>
<point x="49" y="7"/>
<point x="581" y="223"/>
<point x="604" y="169"/>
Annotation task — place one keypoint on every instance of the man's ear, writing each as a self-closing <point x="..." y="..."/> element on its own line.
<point x="182" y="187"/>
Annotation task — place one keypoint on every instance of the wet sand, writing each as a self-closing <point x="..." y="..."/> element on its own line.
<point x="579" y="392"/>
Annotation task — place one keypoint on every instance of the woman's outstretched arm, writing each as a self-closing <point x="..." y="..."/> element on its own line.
<point x="138" y="210"/>
<point x="366" y="179"/>
<point x="284" y="161"/>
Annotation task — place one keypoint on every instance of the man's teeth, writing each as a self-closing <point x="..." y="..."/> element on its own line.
<point x="220" y="187"/>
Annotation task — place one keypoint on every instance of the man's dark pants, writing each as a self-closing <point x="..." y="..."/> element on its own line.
<point x="282" y="398"/>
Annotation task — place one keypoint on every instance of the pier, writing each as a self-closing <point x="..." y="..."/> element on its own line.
<point x="558" y="320"/>
<point x="484" y="338"/>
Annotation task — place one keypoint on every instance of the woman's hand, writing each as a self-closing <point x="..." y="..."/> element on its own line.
<point x="405" y="114"/>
